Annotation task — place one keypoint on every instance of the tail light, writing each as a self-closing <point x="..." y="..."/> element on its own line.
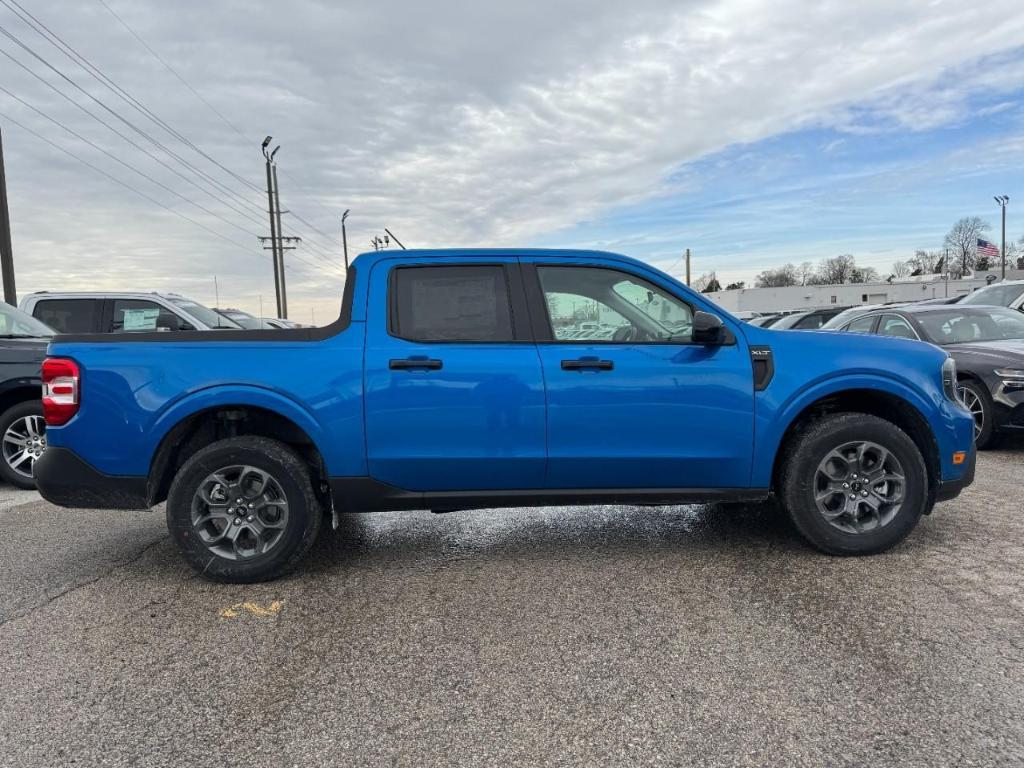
<point x="60" y="390"/>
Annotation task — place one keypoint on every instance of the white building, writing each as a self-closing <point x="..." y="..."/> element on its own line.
<point x="821" y="296"/>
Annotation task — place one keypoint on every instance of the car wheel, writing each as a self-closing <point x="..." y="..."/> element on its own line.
<point x="854" y="484"/>
<point x="979" y="403"/>
<point x="24" y="440"/>
<point x="244" y="510"/>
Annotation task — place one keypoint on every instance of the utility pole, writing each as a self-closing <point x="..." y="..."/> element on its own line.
<point x="344" y="238"/>
<point x="6" y="251"/>
<point x="687" y="267"/>
<point x="216" y="292"/>
<point x="1002" y="200"/>
<point x="945" y="265"/>
<point x="281" y="239"/>
<point x="273" y="224"/>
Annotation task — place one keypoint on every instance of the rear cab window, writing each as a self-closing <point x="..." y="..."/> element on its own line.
<point x="68" y="315"/>
<point x="451" y="304"/>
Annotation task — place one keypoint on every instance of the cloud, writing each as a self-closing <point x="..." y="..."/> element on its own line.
<point x="450" y="123"/>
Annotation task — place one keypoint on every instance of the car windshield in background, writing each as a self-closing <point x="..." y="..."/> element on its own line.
<point x="995" y="295"/>
<point x="960" y="327"/>
<point x="246" y="321"/>
<point x="17" y="324"/>
<point x="204" y="314"/>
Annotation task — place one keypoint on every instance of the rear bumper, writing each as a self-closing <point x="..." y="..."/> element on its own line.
<point x="65" y="479"/>
<point x="950" y="489"/>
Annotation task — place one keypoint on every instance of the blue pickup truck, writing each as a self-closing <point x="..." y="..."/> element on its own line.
<point x="482" y="378"/>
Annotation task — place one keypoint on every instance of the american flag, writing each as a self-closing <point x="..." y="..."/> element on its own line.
<point x="985" y="248"/>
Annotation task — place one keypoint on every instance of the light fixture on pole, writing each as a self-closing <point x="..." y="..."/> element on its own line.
<point x="1001" y="201"/>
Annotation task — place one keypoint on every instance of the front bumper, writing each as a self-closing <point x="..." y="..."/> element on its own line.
<point x="950" y="489"/>
<point x="66" y="479"/>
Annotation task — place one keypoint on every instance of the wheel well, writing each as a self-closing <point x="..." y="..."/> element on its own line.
<point x="200" y="429"/>
<point x="892" y="408"/>
<point x="20" y="394"/>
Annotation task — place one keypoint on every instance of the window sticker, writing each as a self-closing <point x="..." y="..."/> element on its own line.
<point x="140" y="319"/>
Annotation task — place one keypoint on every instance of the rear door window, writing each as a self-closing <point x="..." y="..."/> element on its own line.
<point x="442" y="303"/>
<point x="68" y="315"/>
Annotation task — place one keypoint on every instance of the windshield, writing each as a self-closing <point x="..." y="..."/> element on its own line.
<point x="245" y="320"/>
<point x="959" y="327"/>
<point x="1002" y="295"/>
<point x="205" y="315"/>
<point x="14" y="322"/>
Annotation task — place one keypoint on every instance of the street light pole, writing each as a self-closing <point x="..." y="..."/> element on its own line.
<point x="1001" y="201"/>
<point x="273" y="224"/>
<point x="344" y="238"/>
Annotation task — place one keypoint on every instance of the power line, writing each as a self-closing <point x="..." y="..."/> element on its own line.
<point x="172" y="70"/>
<point x="137" y="191"/>
<point x="210" y="106"/>
<point x="156" y="142"/>
<point x="124" y="184"/>
<point x="73" y="55"/>
<point x="65" y="47"/>
<point x="129" y="140"/>
<point x="78" y="58"/>
<point x="116" y="159"/>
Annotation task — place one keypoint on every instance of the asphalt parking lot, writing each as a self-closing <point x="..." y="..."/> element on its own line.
<point x="609" y="636"/>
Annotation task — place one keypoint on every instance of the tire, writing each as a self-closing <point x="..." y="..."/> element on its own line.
<point x="280" y="517"/>
<point x="865" y="531"/>
<point x="23" y="436"/>
<point x="976" y="397"/>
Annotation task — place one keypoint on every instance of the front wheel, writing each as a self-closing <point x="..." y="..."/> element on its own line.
<point x="854" y="484"/>
<point x="979" y="403"/>
<point x="244" y="510"/>
<point x="24" y="440"/>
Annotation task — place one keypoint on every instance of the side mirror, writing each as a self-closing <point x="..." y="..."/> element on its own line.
<point x="708" y="329"/>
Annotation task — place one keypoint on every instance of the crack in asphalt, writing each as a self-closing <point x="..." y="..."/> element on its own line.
<point x="87" y="583"/>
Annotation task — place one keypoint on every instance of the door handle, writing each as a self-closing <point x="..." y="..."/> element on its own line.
<point x="415" y="363"/>
<point x="587" y="364"/>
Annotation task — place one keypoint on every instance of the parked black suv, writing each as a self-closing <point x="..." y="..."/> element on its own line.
<point x="23" y="341"/>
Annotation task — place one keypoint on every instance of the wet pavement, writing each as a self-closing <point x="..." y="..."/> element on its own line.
<point x="604" y="636"/>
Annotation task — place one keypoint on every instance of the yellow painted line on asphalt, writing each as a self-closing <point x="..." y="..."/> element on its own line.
<point x="255" y="609"/>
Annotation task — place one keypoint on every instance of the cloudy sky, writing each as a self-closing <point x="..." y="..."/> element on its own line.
<point x="752" y="132"/>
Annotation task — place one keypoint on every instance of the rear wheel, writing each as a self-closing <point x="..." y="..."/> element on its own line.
<point x="23" y="432"/>
<point x="244" y="510"/>
<point x="979" y="403"/>
<point x="854" y="484"/>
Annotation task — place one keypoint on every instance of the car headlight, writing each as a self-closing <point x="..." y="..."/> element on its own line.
<point x="1013" y="378"/>
<point x="949" y="379"/>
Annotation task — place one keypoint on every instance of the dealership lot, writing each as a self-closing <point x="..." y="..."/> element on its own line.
<point x="620" y="635"/>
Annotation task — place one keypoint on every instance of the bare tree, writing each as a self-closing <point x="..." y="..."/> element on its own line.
<point x="780" y="277"/>
<point x="901" y="268"/>
<point x="926" y="262"/>
<point x="836" y="270"/>
<point x="713" y="284"/>
<point x="962" y="241"/>
<point x="701" y="283"/>
<point x="806" y="272"/>
<point x="865" y="275"/>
